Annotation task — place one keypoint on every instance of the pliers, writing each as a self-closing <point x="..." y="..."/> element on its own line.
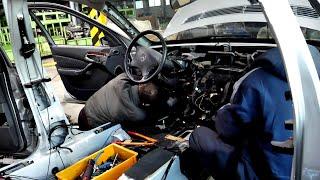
<point x="148" y="140"/>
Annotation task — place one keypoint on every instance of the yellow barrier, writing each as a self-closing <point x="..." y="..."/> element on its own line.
<point x="96" y="33"/>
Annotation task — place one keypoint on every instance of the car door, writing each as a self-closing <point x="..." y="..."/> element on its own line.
<point x="83" y="67"/>
<point x="12" y="139"/>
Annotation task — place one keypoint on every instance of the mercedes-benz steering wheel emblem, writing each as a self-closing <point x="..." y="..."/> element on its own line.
<point x="143" y="57"/>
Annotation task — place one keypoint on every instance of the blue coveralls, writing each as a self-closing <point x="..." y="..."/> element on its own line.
<point x="240" y="145"/>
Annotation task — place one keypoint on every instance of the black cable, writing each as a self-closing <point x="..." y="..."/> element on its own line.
<point x="69" y="149"/>
<point x="55" y="76"/>
<point x="48" y="116"/>
<point x="64" y="166"/>
<point x="105" y="143"/>
<point x="63" y="126"/>
<point x="49" y="163"/>
<point x="168" y="168"/>
<point x="71" y="128"/>
<point x="49" y="139"/>
<point x="55" y="128"/>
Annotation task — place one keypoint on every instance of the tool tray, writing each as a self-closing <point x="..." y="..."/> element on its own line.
<point x="128" y="157"/>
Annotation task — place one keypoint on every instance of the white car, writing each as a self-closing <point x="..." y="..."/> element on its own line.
<point x="37" y="138"/>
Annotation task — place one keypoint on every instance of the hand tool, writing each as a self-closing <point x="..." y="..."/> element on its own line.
<point x="89" y="170"/>
<point x="142" y="136"/>
<point x="114" y="161"/>
<point x="91" y="167"/>
<point x="148" y="140"/>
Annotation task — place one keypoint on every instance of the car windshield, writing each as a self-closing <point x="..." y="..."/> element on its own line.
<point x="157" y="14"/>
<point x="259" y="30"/>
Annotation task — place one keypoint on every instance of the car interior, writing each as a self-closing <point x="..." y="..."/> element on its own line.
<point x="195" y="81"/>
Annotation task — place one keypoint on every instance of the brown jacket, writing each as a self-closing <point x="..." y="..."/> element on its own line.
<point x="116" y="102"/>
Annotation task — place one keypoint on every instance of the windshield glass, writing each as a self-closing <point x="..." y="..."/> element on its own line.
<point x="259" y="30"/>
<point x="157" y="14"/>
<point x="146" y="14"/>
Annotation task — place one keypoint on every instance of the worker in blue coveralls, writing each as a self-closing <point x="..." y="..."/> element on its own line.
<point x="239" y="146"/>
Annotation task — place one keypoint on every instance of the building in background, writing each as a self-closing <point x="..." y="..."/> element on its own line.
<point x="158" y="12"/>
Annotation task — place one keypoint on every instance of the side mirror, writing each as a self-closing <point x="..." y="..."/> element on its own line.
<point x="176" y="4"/>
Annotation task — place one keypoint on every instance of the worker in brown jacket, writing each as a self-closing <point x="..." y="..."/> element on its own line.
<point x="119" y="101"/>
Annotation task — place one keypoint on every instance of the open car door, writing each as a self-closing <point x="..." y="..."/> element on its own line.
<point x="84" y="63"/>
<point x="11" y="132"/>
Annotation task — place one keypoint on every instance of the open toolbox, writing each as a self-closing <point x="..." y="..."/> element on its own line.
<point x="126" y="157"/>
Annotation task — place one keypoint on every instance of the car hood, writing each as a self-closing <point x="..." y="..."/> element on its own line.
<point x="207" y="12"/>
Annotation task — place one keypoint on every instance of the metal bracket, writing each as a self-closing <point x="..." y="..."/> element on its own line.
<point x="36" y="82"/>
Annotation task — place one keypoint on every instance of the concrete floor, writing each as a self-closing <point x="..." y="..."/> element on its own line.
<point x="71" y="109"/>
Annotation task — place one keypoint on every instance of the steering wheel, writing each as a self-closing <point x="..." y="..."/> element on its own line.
<point x="144" y="63"/>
